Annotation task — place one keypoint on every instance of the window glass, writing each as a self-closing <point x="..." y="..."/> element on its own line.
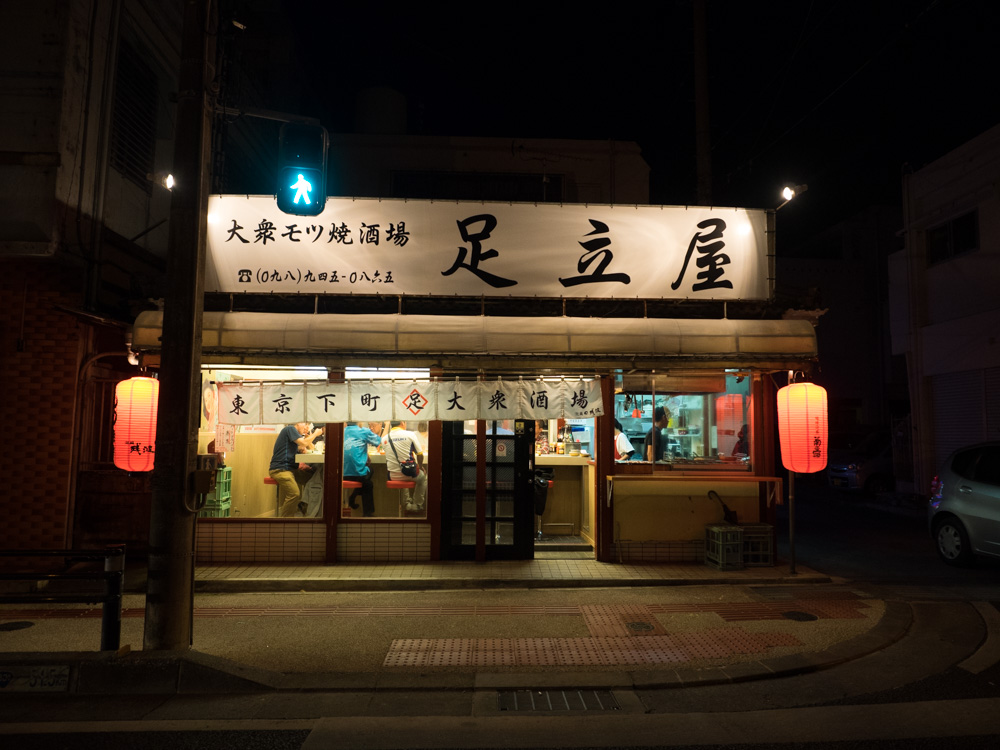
<point x="964" y="463"/>
<point x="247" y="489"/>
<point x="687" y="426"/>
<point x="953" y="238"/>
<point x="988" y="468"/>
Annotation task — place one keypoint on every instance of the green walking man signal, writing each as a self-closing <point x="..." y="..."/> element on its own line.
<point x="302" y="152"/>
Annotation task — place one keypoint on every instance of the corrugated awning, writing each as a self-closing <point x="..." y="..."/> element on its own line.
<point x="494" y="343"/>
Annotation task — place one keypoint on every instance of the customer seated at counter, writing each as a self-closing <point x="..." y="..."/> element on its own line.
<point x="404" y="444"/>
<point x="357" y="438"/>
<point x="292" y="440"/>
<point x="654" y="446"/>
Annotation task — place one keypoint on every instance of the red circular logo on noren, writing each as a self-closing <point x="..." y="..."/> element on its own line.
<point x="415" y="402"/>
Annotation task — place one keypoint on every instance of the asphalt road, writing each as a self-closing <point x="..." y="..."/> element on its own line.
<point x="861" y="538"/>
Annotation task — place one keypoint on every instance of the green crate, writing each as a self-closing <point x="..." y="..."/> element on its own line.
<point x="758" y="545"/>
<point x="223" y="484"/>
<point x="220" y="510"/>
<point x="724" y="546"/>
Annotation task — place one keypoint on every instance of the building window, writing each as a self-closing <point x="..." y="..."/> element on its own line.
<point x="953" y="238"/>
<point x="133" y="124"/>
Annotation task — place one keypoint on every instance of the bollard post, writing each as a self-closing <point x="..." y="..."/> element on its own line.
<point x="114" y="587"/>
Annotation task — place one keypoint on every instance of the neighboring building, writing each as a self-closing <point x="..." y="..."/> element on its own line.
<point x="842" y="272"/>
<point x="945" y="308"/>
<point x="87" y="126"/>
<point x="528" y="170"/>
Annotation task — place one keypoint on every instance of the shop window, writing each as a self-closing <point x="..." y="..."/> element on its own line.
<point x="701" y="422"/>
<point x="244" y="490"/>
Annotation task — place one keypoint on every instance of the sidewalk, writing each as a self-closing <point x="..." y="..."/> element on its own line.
<point x="460" y="626"/>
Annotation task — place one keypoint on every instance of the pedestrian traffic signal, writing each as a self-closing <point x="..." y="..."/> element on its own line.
<point x="302" y="153"/>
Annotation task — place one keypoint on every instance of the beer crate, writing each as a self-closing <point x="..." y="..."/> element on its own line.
<point x="220" y="510"/>
<point x="223" y="488"/>
<point x="724" y="546"/>
<point x="758" y="545"/>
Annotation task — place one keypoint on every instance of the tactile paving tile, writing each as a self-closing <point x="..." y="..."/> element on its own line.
<point x="581" y="652"/>
<point x="621" y="620"/>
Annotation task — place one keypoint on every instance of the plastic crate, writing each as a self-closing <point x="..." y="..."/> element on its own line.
<point x="724" y="546"/>
<point x="220" y="510"/>
<point x="223" y="488"/>
<point x="758" y="544"/>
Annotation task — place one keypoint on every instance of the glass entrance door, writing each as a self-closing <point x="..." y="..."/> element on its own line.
<point x="497" y="512"/>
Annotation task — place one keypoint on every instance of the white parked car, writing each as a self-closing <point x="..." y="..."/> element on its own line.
<point x="964" y="512"/>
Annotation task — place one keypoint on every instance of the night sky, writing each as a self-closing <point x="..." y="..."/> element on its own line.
<point x="836" y="94"/>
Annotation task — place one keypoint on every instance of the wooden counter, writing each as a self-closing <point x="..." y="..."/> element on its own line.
<point x="556" y="459"/>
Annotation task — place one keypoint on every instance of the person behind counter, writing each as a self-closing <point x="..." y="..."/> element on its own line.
<point x="623" y="446"/>
<point x="292" y="440"/>
<point x="405" y="443"/>
<point x="654" y="444"/>
<point x="356" y="468"/>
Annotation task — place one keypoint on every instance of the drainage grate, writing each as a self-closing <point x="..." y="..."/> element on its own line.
<point x="557" y="700"/>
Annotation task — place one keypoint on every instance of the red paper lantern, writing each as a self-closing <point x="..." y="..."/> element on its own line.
<point x="728" y="421"/>
<point x="802" y="427"/>
<point x="135" y="423"/>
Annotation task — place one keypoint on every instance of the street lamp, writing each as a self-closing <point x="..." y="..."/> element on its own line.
<point x="163" y="179"/>
<point x="790" y="191"/>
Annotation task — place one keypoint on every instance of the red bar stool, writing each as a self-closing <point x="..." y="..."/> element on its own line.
<point x="348" y="484"/>
<point x="400" y="484"/>
<point x="277" y="508"/>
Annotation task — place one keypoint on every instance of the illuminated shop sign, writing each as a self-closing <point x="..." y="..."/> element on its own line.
<point x="398" y="247"/>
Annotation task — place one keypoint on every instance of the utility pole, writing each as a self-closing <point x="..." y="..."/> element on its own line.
<point x="170" y="589"/>
<point x="703" y="140"/>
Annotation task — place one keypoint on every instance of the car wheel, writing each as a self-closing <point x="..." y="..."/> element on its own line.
<point x="952" y="542"/>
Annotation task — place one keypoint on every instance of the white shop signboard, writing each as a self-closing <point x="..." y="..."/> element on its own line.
<point x="368" y="246"/>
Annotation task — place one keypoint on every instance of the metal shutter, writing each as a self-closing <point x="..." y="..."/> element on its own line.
<point x="992" y="396"/>
<point x="959" y="411"/>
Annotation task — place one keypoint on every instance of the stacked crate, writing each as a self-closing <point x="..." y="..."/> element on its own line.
<point x="724" y="546"/>
<point x="218" y="500"/>
<point x="758" y="544"/>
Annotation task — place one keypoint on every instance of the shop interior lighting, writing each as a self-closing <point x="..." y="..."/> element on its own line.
<point x="385" y="373"/>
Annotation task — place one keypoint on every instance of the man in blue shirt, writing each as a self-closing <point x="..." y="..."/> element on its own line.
<point x="292" y="440"/>
<point x="356" y="468"/>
